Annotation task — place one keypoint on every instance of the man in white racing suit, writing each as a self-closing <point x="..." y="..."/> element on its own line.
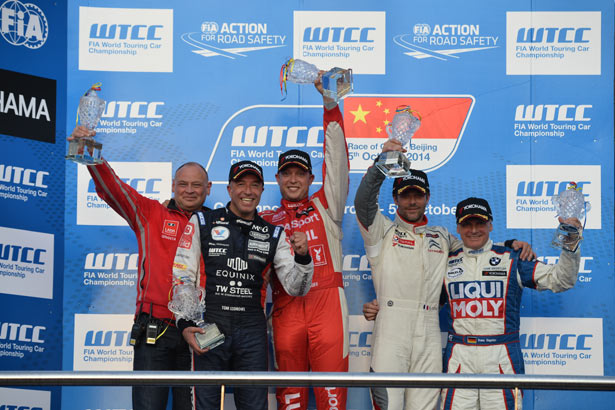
<point x="484" y="283"/>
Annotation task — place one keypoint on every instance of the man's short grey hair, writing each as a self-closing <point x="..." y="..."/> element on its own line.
<point x="192" y="163"/>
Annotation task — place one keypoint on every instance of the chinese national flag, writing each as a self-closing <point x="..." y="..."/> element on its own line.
<point x="441" y="117"/>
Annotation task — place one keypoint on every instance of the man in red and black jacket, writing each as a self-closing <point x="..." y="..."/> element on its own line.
<point x="158" y="229"/>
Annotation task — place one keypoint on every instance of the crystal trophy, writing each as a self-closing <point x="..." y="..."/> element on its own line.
<point x="188" y="303"/>
<point x="569" y="204"/>
<point x="395" y="164"/>
<point x="87" y="150"/>
<point x="336" y="83"/>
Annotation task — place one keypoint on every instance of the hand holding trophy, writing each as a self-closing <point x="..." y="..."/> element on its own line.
<point x="84" y="149"/>
<point x="188" y="303"/>
<point x="570" y="205"/>
<point x="337" y="82"/>
<point x="406" y="121"/>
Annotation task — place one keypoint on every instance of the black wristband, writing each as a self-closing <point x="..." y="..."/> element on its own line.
<point x="509" y="243"/>
<point x="303" y="259"/>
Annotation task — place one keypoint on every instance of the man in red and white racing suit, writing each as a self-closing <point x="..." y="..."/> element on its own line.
<point x="158" y="229"/>
<point x="311" y="332"/>
<point x="484" y="283"/>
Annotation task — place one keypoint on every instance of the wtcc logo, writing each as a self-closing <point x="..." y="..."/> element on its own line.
<point x="530" y="190"/>
<point x="354" y="39"/>
<point x="121" y="39"/>
<point x="23" y="399"/>
<point x="338" y="34"/>
<point x="232" y="39"/>
<point x="553" y="43"/>
<point x="125" y="31"/>
<point x="23" y="24"/>
<point x="133" y="109"/>
<point x="111" y="261"/>
<point x="261" y="133"/>
<point x="17" y="332"/>
<point x="26" y="263"/>
<point x="102" y="342"/>
<point x="566" y="345"/>
<point x="552" y="112"/>
<point x="445" y="41"/>
<point x="23" y="176"/>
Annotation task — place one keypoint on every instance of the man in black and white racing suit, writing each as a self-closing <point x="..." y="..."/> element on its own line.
<point x="239" y="249"/>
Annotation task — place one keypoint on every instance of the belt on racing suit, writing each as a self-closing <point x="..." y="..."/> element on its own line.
<point x="407" y="304"/>
<point x="472" y="340"/>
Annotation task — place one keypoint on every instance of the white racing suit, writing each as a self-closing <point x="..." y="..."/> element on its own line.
<point x="484" y="290"/>
<point x="408" y="264"/>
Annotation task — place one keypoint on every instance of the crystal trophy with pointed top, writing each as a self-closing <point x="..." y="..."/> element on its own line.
<point x="188" y="303"/>
<point x="87" y="150"/>
<point x="395" y="164"/>
<point x="569" y="204"/>
<point x="336" y="83"/>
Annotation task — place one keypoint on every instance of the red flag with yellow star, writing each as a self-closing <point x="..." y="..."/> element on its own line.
<point x="443" y="119"/>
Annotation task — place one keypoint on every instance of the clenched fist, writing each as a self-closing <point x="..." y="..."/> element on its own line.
<point x="299" y="242"/>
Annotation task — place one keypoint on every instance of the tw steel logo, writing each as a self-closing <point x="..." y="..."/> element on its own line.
<point x="552" y="112"/>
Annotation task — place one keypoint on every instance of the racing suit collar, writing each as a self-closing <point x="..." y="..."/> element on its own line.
<point x="173" y="206"/>
<point x="416" y="227"/>
<point x="476" y="252"/>
<point x="295" y="204"/>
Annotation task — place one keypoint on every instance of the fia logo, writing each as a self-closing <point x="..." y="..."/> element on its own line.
<point x="23" y="24"/>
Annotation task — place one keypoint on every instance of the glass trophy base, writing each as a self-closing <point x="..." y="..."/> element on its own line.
<point x="393" y="164"/>
<point x="566" y="237"/>
<point x="85" y="151"/>
<point x="337" y="83"/>
<point x="211" y="338"/>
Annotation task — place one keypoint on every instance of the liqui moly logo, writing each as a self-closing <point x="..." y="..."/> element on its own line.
<point x="482" y="299"/>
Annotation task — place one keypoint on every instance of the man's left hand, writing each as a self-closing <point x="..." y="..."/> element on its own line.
<point x="527" y="253"/>
<point x="299" y="242"/>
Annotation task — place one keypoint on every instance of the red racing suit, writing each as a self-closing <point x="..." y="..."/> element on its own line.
<point x="311" y="332"/>
<point x="158" y="229"/>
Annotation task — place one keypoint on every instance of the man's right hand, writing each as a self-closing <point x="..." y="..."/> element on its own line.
<point x="370" y="310"/>
<point x="393" y="145"/>
<point x="188" y="335"/>
<point x="81" y="132"/>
